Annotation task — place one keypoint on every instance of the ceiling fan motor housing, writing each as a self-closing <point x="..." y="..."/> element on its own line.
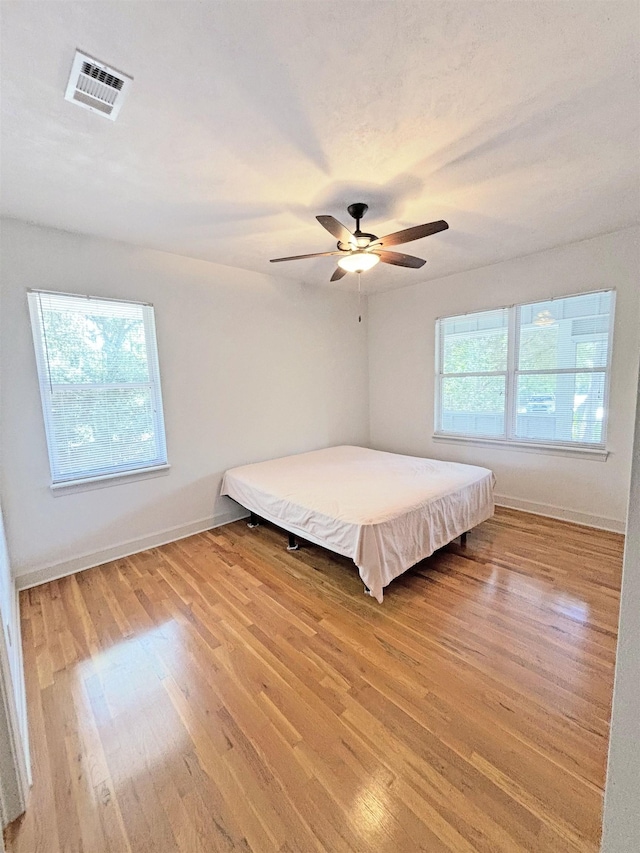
<point x="360" y="240"/>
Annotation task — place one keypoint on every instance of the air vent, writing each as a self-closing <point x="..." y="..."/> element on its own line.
<point x="97" y="87"/>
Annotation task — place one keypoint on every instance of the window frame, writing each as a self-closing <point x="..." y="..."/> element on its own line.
<point x="105" y="475"/>
<point x="509" y="439"/>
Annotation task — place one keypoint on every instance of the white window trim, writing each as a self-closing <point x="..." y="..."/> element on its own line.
<point x="99" y="479"/>
<point x="586" y="451"/>
<point x="88" y="484"/>
<point x="508" y="441"/>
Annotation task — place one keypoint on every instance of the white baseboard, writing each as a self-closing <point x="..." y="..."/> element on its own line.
<point x="125" y="549"/>
<point x="584" y="518"/>
<point x="134" y="546"/>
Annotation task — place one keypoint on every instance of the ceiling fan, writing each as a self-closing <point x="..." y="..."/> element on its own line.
<point x="361" y="251"/>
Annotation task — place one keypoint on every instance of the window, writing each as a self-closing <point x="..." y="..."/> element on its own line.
<point x="98" y="369"/>
<point x="534" y="373"/>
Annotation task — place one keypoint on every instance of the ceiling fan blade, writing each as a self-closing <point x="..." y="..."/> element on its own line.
<point x="414" y="233"/>
<point x="300" y="257"/>
<point x="338" y="274"/>
<point x="399" y="259"/>
<point x="336" y="228"/>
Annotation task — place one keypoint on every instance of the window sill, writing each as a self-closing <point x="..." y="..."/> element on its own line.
<point x="598" y="454"/>
<point x="89" y="483"/>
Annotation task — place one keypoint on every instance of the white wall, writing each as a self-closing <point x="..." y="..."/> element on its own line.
<point x="251" y="366"/>
<point x="401" y="370"/>
<point x="621" y="824"/>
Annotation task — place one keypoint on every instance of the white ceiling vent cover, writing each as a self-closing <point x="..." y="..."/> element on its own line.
<point x="97" y="87"/>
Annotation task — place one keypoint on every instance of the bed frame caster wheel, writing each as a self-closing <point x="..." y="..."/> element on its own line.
<point x="293" y="545"/>
<point x="253" y="521"/>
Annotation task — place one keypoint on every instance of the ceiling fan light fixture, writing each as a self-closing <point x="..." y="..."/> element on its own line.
<point x="358" y="261"/>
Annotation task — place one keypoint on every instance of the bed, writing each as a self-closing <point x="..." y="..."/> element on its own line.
<point x="384" y="511"/>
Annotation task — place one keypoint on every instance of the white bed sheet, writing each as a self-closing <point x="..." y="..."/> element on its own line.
<point x="383" y="510"/>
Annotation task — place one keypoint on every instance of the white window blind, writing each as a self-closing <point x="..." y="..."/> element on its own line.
<point x="99" y="381"/>
<point x="535" y="373"/>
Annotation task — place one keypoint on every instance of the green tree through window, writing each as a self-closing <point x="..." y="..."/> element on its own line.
<point x="100" y="387"/>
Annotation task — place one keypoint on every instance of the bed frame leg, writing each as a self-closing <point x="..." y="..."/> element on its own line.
<point x="293" y="545"/>
<point x="463" y="539"/>
<point x="253" y="520"/>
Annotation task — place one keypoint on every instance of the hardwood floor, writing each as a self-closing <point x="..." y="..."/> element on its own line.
<point x="221" y="694"/>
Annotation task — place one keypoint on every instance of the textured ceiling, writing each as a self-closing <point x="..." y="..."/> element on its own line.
<point x="517" y="122"/>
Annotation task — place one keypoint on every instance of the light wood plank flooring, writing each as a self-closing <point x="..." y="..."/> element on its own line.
<point x="221" y="694"/>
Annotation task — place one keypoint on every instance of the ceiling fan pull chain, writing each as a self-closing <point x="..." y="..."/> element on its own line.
<point x="359" y="299"/>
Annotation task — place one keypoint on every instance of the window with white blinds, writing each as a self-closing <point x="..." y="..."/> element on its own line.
<point x="97" y="364"/>
<point x="535" y="373"/>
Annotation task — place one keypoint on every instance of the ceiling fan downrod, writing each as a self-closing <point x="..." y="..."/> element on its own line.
<point x="363" y="240"/>
<point x="358" y="210"/>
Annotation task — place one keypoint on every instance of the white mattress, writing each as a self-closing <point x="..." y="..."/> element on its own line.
<point x="384" y="511"/>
